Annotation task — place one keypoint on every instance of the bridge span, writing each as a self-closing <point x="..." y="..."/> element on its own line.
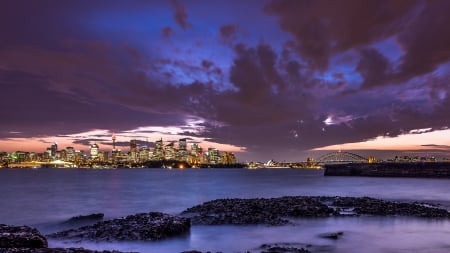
<point x="340" y="157"/>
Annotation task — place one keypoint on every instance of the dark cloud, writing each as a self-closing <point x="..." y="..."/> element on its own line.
<point x="323" y="28"/>
<point x="166" y="32"/>
<point x="180" y="15"/>
<point x="228" y="34"/>
<point x="427" y="42"/>
<point x="373" y="67"/>
<point x="207" y="64"/>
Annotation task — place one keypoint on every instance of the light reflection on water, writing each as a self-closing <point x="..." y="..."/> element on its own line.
<point x="45" y="197"/>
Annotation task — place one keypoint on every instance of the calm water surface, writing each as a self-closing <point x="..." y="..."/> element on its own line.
<point x="44" y="198"/>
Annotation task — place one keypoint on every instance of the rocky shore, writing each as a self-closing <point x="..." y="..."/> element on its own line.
<point x="143" y="227"/>
<point x="258" y="211"/>
<point x="276" y="211"/>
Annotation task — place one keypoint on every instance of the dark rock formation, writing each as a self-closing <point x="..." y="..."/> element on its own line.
<point x="283" y="247"/>
<point x="334" y="236"/>
<point x="21" y="237"/>
<point x="371" y="206"/>
<point x="143" y="226"/>
<point x="274" y="211"/>
<point x="85" y="218"/>
<point x="256" y="211"/>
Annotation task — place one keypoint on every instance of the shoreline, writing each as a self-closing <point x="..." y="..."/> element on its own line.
<point x="238" y="212"/>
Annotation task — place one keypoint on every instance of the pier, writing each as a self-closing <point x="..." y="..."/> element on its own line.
<point x="390" y="169"/>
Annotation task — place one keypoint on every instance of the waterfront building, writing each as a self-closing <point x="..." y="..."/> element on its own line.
<point x="94" y="151"/>
<point x="144" y="154"/>
<point x="213" y="156"/>
<point x="182" y="154"/>
<point x="133" y="151"/>
<point x="169" y="152"/>
<point x="228" y="158"/>
<point x="53" y="149"/>
<point x="103" y="156"/>
<point x="70" y="154"/>
<point x="158" y="153"/>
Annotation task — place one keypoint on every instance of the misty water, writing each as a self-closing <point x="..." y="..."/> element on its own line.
<point x="44" y="198"/>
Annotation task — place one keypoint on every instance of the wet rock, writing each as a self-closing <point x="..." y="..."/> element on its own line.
<point x="283" y="247"/>
<point x="333" y="236"/>
<point x="256" y="211"/>
<point x="85" y="218"/>
<point x="144" y="226"/>
<point x="371" y="206"/>
<point x="274" y="211"/>
<point x="21" y="237"/>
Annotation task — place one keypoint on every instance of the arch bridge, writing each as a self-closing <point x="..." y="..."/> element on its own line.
<point x="340" y="157"/>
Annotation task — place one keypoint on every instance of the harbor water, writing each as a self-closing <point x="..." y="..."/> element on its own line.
<point x="44" y="198"/>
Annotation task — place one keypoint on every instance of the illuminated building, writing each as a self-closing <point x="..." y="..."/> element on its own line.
<point x="182" y="150"/>
<point x="144" y="154"/>
<point x="94" y="150"/>
<point x="169" y="152"/>
<point x="53" y="149"/>
<point x="133" y="150"/>
<point x="70" y="154"/>
<point x="158" y="152"/>
<point x="103" y="156"/>
<point x="194" y="149"/>
<point x="213" y="156"/>
<point x="228" y="158"/>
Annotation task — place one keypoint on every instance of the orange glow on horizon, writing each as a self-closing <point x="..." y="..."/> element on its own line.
<point x="415" y="140"/>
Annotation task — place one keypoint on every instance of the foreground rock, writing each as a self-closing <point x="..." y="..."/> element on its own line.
<point x="85" y="218"/>
<point x="21" y="236"/>
<point x="284" y="247"/>
<point x="378" y="207"/>
<point x="144" y="226"/>
<point x="24" y="239"/>
<point x="274" y="211"/>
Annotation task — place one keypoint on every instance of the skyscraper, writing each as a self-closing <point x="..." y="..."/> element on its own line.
<point x="133" y="150"/>
<point x="54" y="148"/>
<point x="94" y="150"/>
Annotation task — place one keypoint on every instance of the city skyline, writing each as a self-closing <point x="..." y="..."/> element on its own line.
<point x="262" y="79"/>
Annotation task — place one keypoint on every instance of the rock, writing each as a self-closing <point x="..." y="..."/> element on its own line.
<point x="334" y="236"/>
<point x="21" y="237"/>
<point x="85" y="218"/>
<point x="283" y="247"/>
<point x="274" y="211"/>
<point x="144" y="226"/>
<point x="256" y="211"/>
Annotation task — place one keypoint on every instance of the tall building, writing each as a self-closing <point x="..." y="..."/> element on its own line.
<point x="94" y="150"/>
<point x="213" y="156"/>
<point x="182" y="154"/>
<point x="144" y="153"/>
<point x="70" y="154"/>
<point x="133" y="150"/>
<point x="169" y="152"/>
<point x="158" y="153"/>
<point x="53" y="149"/>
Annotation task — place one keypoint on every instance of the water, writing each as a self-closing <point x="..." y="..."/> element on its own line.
<point x="44" y="198"/>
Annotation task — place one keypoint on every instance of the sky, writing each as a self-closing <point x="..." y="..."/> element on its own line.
<point x="281" y="79"/>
